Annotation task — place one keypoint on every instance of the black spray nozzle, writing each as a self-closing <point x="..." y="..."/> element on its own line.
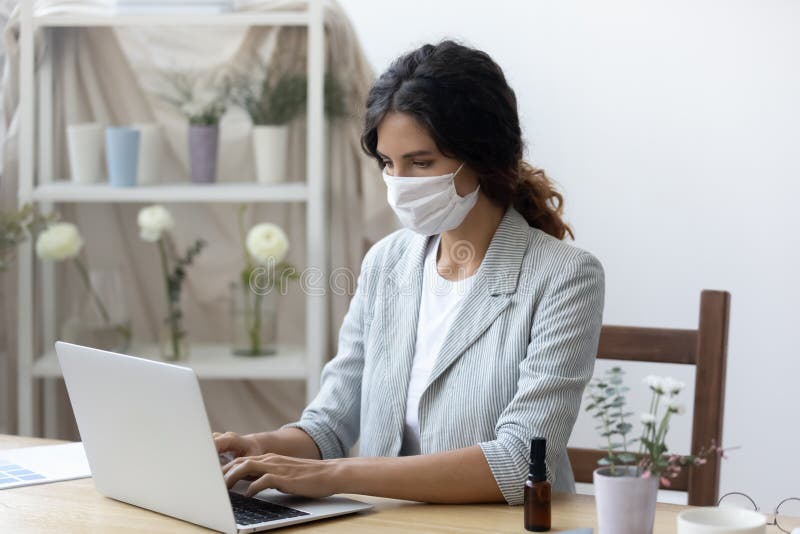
<point x="538" y="449"/>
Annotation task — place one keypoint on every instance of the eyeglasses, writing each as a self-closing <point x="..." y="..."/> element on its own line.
<point x="786" y="516"/>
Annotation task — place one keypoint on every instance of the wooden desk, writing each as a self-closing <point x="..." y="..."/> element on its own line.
<point x="75" y="506"/>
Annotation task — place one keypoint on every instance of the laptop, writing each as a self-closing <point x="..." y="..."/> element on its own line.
<point x="148" y="442"/>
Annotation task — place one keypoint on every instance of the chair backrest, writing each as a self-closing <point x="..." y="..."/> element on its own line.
<point x="706" y="348"/>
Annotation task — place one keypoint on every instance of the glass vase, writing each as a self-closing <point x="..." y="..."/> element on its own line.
<point x="254" y="317"/>
<point x="99" y="318"/>
<point x="173" y="344"/>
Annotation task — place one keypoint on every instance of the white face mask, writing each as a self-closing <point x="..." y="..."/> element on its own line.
<point x="428" y="205"/>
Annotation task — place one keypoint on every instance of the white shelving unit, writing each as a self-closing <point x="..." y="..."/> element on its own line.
<point x="210" y="361"/>
<point x="227" y="192"/>
<point x="38" y="184"/>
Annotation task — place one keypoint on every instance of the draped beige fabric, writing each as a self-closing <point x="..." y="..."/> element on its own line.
<point x="112" y="76"/>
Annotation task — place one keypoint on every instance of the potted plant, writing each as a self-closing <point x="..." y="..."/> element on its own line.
<point x="204" y="109"/>
<point x="254" y="296"/>
<point x="627" y="481"/>
<point x="155" y="224"/>
<point x="272" y="104"/>
<point x="101" y="319"/>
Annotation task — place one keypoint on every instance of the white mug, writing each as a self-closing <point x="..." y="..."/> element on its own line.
<point x="85" y="148"/>
<point x="712" y="520"/>
<point x="150" y="149"/>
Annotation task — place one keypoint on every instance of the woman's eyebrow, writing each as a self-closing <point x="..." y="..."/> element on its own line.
<point x="409" y="155"/>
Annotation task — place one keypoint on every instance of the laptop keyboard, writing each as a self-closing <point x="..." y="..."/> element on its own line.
<point x="249" y="510"/>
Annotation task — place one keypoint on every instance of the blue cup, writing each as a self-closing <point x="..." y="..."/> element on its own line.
<point x="122" y="155"/>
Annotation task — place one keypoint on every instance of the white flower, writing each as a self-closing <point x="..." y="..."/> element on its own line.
<point x="267" y="242"/>
<point x="647" y="418"/>
<point x="191" y="108"/>
<point x="59" y="241"/>
<point x="676" y="407"/>
<point x="672" y="386"/>
<point x="153" y="221"/>
<point x="656" y="383"/>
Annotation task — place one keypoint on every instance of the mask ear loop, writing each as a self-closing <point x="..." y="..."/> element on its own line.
<point x="459" y="168"/>
<point x="454" y="183"/>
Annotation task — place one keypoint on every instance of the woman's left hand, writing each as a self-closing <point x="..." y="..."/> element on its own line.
<point x="297" y="476"/>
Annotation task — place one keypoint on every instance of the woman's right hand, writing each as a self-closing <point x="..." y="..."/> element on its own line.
<point x="236" y="444"/>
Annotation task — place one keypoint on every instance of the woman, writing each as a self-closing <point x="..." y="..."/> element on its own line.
<point x="471" y="330"/>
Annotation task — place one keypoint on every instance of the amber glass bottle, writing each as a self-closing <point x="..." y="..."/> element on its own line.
<point x="537" y="490"/>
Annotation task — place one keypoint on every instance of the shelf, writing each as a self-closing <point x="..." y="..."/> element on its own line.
<point x="236" y="18"/>
<point x="217" y="192"/>
<point x="38" y="113"/>
<point x="211" y="361"/>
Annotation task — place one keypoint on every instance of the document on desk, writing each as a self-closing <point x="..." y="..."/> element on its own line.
<point x="42" y="464"/>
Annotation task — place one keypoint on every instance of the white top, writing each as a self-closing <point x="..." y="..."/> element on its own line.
<point x="438" y="305"/>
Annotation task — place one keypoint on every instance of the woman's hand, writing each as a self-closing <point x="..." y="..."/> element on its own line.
<point x="236" y="444"/>
<point x="297" y="476"/>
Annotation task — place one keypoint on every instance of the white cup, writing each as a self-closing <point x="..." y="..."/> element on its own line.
<point x="85" y="148"/>
<point x="713" y="520"/>
<point x="150" y="149"/>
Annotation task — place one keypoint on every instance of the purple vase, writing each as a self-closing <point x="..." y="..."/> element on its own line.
<point x="203" y="143"/>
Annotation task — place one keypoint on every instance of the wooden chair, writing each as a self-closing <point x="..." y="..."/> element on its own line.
<point x="705" y="348"/>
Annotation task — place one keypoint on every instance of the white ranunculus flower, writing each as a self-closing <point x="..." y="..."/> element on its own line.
<point x="656" y="383"/>
<point x="153" y="221"/>
<point x="672" y="386"/>
<point x="267" y="242"/>
<point x="676" y="407"/>
<point x="647" y="418"/>
<point x="60" y="241"/>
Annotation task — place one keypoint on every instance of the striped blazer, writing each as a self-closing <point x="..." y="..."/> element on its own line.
<point x="513" y="365"/>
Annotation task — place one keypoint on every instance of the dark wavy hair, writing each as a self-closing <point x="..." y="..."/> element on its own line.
<point x="460" y="95"/>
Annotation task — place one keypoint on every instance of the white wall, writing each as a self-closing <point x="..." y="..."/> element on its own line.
<point x="673" y="129"/>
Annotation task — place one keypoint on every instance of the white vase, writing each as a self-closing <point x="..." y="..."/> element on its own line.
<point x="151" y="144"/>
<point x="626" y="503"/>
<point x="85" y="147"/>
<point x="270" y="145"/>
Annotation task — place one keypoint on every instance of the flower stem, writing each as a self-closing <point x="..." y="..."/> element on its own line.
<point x="85" y="275"/>
<point x="174" y="334"/>
<point x="252" y="317"/>
<point x="645" y="432"/>
<point x="255" y="329"/>
<point x="610" y="449"/>
<point x="655" y="414"/>
<point x="624" y="436"/>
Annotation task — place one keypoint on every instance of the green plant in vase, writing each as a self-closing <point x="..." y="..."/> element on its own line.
<point x="628" y="479"/>
<point x="203" y="102"/>
<point x="155" y="224"/>
<point x="264" y="249"/>
<point x="273" y="102"/>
